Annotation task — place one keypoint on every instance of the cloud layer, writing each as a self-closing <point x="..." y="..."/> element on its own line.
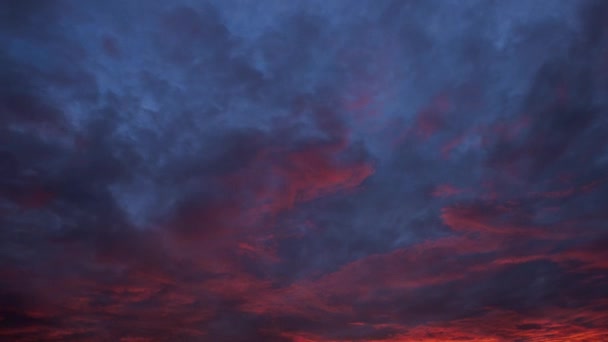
<point x="312" y="171"/>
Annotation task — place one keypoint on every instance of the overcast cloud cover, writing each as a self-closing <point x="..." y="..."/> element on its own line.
<point x="407" y="170"/>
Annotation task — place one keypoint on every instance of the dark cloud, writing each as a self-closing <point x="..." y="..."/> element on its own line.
<point x="322" y="171"/>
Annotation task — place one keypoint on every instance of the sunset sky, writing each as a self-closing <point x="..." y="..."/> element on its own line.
<point x="304" y="171"/>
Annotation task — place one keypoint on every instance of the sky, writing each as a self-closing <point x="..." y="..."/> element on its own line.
<point x="304" y="171"/>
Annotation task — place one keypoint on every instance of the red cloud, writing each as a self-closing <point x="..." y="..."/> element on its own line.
<point x="276" y="182"/>
<point x="555" y="324"/>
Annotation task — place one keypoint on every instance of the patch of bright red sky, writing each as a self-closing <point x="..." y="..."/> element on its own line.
<point x="300" y="184"/>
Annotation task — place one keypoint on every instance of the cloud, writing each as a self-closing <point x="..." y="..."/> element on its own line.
<point x="322" y="171"/>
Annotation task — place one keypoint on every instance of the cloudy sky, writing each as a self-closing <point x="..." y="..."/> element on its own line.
<point x="303" y="171"/>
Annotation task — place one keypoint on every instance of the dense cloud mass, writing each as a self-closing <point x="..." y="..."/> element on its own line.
<point x="304" y="170"/>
